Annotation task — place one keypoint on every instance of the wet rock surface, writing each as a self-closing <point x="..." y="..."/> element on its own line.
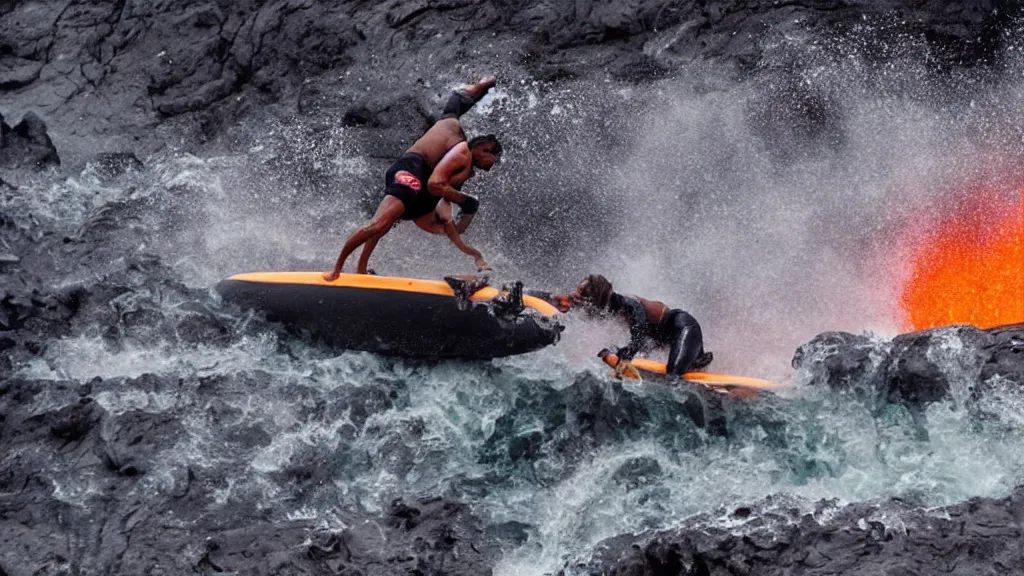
<point x="114" y="70"/>
<point x="913" y="369"/>
<point x="26" y="145"/>
<point x="93" y="490"/>
<point x="976" y="536"/>
<point x="117" y="475"/>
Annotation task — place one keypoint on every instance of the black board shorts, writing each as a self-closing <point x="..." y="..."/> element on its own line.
<point x="406" y="180"/>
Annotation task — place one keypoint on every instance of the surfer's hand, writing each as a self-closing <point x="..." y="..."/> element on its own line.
<point x="482" y="264"/>
<point x="331" y="276"/>
<point x="625" y="369"/>
<point x="562" y="301"/>
<point x="574" y="298"/>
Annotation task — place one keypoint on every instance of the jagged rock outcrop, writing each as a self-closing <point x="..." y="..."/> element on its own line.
<point x="27" y="145"/>
<point x="914" y="368"/>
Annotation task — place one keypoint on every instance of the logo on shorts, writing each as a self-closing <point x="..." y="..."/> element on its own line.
<point x="406" y="178"/>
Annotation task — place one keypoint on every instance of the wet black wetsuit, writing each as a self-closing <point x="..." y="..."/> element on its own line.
<point x="677" y="329"/>
<point x="407" y="178"/>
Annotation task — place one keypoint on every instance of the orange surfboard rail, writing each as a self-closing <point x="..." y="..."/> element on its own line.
<point x="373" y="282"/>
<point x="710" y="379"/>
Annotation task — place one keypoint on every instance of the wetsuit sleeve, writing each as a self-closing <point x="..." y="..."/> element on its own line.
<point x="636" y="316"/>
<point x="458" y="104"/>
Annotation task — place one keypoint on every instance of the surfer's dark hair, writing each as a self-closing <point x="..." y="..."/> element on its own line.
<point x="486" y="139"/>
<point x="597" y="291"/>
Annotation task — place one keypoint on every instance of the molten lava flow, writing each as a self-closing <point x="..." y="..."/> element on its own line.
<point x="970" y="269"/>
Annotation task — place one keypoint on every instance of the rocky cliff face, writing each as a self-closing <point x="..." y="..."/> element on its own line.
<point x="105" y="75"/>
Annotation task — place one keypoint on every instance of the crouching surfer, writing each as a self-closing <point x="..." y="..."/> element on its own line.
<point x="422" y="184"/>
<point x="652" y="324"/>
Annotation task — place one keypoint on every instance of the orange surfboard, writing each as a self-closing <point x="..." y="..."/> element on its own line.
<point x="373" y="282"/>
<point x="408" y="317"/>
<point x="740" y="385"/>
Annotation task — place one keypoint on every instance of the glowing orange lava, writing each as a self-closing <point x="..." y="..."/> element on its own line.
<point x="970" y="268"/>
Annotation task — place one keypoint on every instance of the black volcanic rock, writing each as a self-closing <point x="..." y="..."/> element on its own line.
<point x="1003" y="353"/>
<point x="26" y="145"/>
<point x="915" y="368"/>
<point x="976" y="536"/>
<point x="64" y="454"/>
<point x="432" y="537"/>
<point x="839" y="360"/>
<point x="111" y="70"/>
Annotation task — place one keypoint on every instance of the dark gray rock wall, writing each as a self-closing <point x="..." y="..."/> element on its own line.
<point x="104" y="74"/>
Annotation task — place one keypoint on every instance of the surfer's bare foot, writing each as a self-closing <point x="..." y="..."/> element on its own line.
<point x="331" y="276"/>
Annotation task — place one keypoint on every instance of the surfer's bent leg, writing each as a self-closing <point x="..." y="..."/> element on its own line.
<point x="364" y="256"/>
<point x="458" y="104"/>
<point x="687" y="343"/>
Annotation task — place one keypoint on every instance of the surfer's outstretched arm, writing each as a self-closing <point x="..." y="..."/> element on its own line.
<point x="453" y="235"/>
<point x="463" y="99"/>
<point x="636" y="317"/>
<point x="389" y="211"/>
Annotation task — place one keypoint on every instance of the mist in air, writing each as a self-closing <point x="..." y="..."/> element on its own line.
<point x="772" y="208"/>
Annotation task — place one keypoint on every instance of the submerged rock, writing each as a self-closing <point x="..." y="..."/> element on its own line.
<point x="109" y="165"/>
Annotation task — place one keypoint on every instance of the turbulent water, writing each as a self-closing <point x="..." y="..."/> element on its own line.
<point x="700" y="202"/>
